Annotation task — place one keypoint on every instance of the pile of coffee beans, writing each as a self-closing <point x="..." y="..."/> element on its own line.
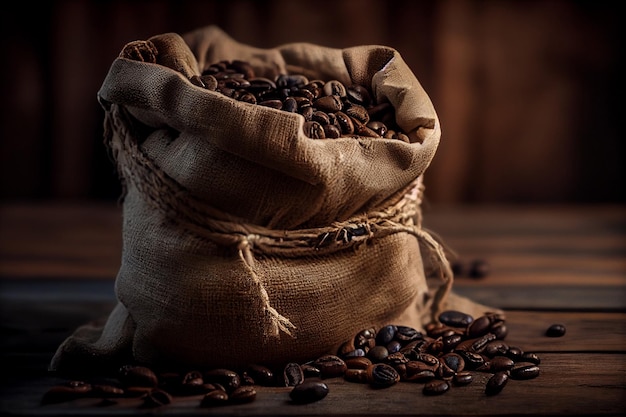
<point x="448" y="354"/>
<point x="330" y="108"/>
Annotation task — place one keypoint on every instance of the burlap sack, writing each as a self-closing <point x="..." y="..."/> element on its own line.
<point x="244" y="241"/>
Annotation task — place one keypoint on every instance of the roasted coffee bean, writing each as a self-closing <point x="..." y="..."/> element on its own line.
<point x="496" y="383"/>
<point x="137" y="376"/>
<point x="479" y="268"/>
<point x="214" y="398"/>
<point x="377" y="126"/>
<point x="455" y="318"/>
<point x="308" y="392"/>
<point x="499" y="329"/>
<point x="345" y="123"/>
<point x="495" y="347"/>
<point x="242" y="394"/>
<point x="462" y="378"/>
<point x="229" y="379"/>
<point x="436" y="387"/>
<point x="330" y="104"/>
<point x="378" y="353"/>
<point x="330" y="366"/>
<point x="365" y="339"/>
<point x="354" y="354"/>
<point x="192" y="383"/>
<point x="310" y="371"/>
<point x="531" y="357"/>
<point x="358" y="363"/>
<point x="293" y="375"/>
<point x="395" y="359"/>
<point x="356" y="375"/>
<point x="394" y="346"/>
<point x="555" y="330"/>
<point x="451" y="341"/>
<point x="500" y="363"/>
<point x="105" y="390"/>
<point x="453" y="361"/>
<point x="314" y="130"/>
<point x="423" y="375"/>
<point x="386" y="334"/>
<point x="382" y="375"/>
<point x="334" y="87"/>
<point x="359" y="95"/>
<point x="157" y="398"/>
<point x="479" y="327"/>
<point x="66" y="392"/>
<point x="472" y="360"/>
<point x="331" y="132"/>
<point x="405" y="334"/>
<point x="525" y="372"/>
<point x="514" y="353"/>
<point x="262" y="375"/>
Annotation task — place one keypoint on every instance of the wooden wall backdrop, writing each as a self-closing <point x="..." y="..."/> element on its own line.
<point x="529" y="93"/>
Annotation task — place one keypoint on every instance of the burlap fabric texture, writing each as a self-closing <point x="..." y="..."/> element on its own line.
<point x="244" y="241"/>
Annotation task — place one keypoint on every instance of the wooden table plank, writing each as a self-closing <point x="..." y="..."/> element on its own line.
<point x="569" y="384"/>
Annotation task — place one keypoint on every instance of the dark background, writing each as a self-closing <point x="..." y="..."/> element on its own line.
<point x="529" y="93"/>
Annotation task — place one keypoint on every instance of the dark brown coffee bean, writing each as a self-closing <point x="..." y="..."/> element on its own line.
<point x="331" y="132"/>
<point x="313" y="130"/>
<point x="377" y="126"/>
<point x="308" y="392"/>
<point x="463" y="378"/>
<point x="291" y="80"/>
<point x="243" y="394"/>
<point x="243" y="67"/>
<point x="394" y="346"/>
<point x="229" y="379"/>
<point x="330" y="366"/>
<point x="358" y="113"/>
<point x="555" y="330"/>
<point x="275" y="104"/>
<point x="329" y="104"/>
<point x="499" y="329"/>
<point x="386" y="334"/>
<point x="525" y="372"/>
<point x="436" y="387"/>
<point x="478" y="344"/>
<point x="157" y="398"/>
<point x="320" y="117"/>
<point x="531" y="357"/>
<point x="362" y="130"/>
<point x="345" y="123"/>
<point x="514" y="353"/>
<point x="453" y="361"/>
<point x="472" y="360"/>
<point x="262" y="375"/>
<point x="495" y="347"/>
<point x="451" y="341"/>
<point x="137" y="376"/>
<point x="406" y="334"/>
<point x="358" y="363"/>
<point x="378" y="353"/>
<point x="105" y="390"/>
<point x="382" y="375"/>
<point x="496" y="383"/>
<point x="423" y="375"/>
<point x="334" y="87"/>
<point x="214" y="398"/>
<point x="66" y="392"/>
<point x="479" y="268"/>
<point x="500" y="363"/>
<point x="292" y="374"/>
<point x="356" y="375"/>
<point x="479" y="327"/>
<point x="454" y="318"/>
<point x="359" y="95"/>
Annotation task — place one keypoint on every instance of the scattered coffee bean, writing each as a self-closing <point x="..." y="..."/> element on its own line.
<point x="496" y="383"/>
<point x="157" y="398"/>
<point x="214" y="398"/>
<point x="555" y="330"/>
<point x="308" y="391"/>
<point x="293" y="375"/>
<point x="525" y="372"/>
<point x="436" y="387"/>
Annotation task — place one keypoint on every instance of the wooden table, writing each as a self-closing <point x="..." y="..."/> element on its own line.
<point x="548" y="265"/>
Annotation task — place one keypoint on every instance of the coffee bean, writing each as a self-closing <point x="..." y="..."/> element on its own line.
<point x="66" y="392"/>
<point x="382" y="375"/>
<point x="496" y="383"/>
<point x="157" y="398"/>
<point x="500" y="363"/>
<point x="531" y="357"/>
<point x="358" y="363"/>
<point x="310" y="371"/>
<point x="137" y="376"/>
<point x="455" y="318"/>
<point x="214" y="398"/>
<point x="378" y="353"/>
<point x="462" y="378"/>
<point x="436" y="387"/>
<point x="242" y="394"/>
<point x="261" y="375"/>
<point x="525" y="372"/>
<point x="405" y="334"/>
<point x="229" y="379"/>
<point x="308" y="392"/>
<point x="293" y="375"/>
<point x="356" y="375"/>
<point x="330" y="366"/>
<point x="555" y="330"/>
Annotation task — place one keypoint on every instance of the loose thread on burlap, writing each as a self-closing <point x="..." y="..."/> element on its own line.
<point x="197" y="217"/>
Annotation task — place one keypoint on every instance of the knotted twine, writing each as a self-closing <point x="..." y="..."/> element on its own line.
<point x="195" y="216"/>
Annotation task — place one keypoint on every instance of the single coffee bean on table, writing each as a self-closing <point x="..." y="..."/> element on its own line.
<point x="556" y="330"/>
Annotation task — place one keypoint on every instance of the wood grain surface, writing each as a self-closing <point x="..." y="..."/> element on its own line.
<point x="548" y="265"/>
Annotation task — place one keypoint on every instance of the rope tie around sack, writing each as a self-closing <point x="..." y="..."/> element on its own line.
<point x="180" y="206"/>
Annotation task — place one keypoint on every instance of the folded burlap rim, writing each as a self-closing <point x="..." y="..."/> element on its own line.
<point x="195" y="216"/>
